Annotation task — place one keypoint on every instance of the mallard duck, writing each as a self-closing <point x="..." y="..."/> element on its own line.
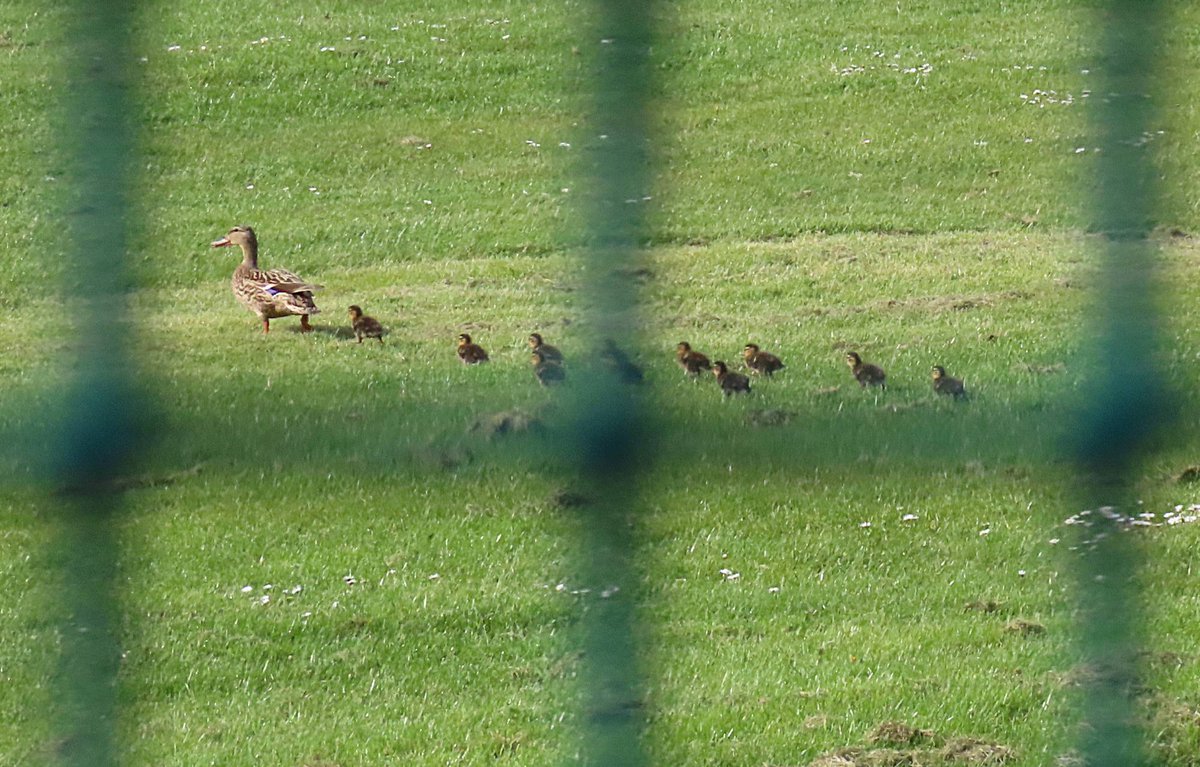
<point x="762" y="363"/>
<point x="364" y="326"/>
<point x="546" y="370"/>
<point x="691" y="360"/>
<point x="626" y="370"/>
<point x="730" y="383"/>
<point x="944" y="384"/>
<point x="470" y="353"/>
<point x="865" y="373"/>
<point x="269" y="294"/>
<point x="548" y="352"/>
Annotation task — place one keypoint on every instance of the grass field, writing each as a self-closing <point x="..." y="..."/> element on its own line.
<point x="329" y="561"/>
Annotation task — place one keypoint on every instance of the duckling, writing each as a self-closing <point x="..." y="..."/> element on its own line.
<point x="545" y="370"/>
<point x="269" y="293"/>
<point x="691" y="360"/>
<point x="364" y="326"/>
<point x="865" y="373"/>
<point x="470" y="353"/>
<point x="944" y="384"/>
<point x="730" y="383"/>
<point x="549" y="353"/>
<point x="762" y="363"/>
<point x="626" y="370"/>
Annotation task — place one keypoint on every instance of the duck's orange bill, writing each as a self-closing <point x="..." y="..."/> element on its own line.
<point x="221" y="242"/>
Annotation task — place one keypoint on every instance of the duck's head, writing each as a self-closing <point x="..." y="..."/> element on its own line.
<point x="463" y="339"/>
<point x="719" y="368"/>
<point x="938" y="372"/>
<point x="535" y="340"/>
<point x="749" y="350"/>
<point x="683" y="347"/>
<point x="239" y="235"/>
<point x="355" y="311"/>
<point x="852" y="359"/>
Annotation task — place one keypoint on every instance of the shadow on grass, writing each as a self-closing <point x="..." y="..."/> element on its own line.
<point x="463" y="424"/>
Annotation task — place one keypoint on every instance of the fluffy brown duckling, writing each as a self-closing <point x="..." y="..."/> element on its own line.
<point x="470" y="353"/>
<point x="546" y="370"/>
<point x="691" y="360"/>
<point x="625" y="369"/>
<point x="269" y="293"/>
<point x="548" y="352"/>
<point x="730" y="383"/>
<point x="865" y="373"/>
<point x="944" y="384"/>
<point x="762" y="363"/>
<point x="364" y="326"/>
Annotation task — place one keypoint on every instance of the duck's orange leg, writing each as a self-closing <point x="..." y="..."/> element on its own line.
<point x="304" y="326"/>
<point x="266" y="326"/>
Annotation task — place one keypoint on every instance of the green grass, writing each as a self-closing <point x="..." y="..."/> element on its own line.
<point x="812" y="196"/>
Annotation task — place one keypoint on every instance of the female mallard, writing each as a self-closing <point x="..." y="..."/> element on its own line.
<point x="269" y="294"/>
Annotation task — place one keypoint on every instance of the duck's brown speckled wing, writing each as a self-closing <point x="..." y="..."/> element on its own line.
<point x="274" y="292"/>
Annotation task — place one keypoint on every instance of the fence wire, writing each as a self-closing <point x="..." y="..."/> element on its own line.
<point x="1123" y="406"/>
<point x="99" y="439"/>
<point x="612" y="452"/>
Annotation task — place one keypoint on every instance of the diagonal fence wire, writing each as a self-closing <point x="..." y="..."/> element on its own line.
<point x="1123" y="405"/>
<point x="99" y="431"/>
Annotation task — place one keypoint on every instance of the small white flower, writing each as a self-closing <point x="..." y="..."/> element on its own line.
<point x="985" y="531"/>
<point x="247" y="589"/>
<point x="434" y="576"/>
<point x="864" y="524"/>
<point x="909" y="518"/>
